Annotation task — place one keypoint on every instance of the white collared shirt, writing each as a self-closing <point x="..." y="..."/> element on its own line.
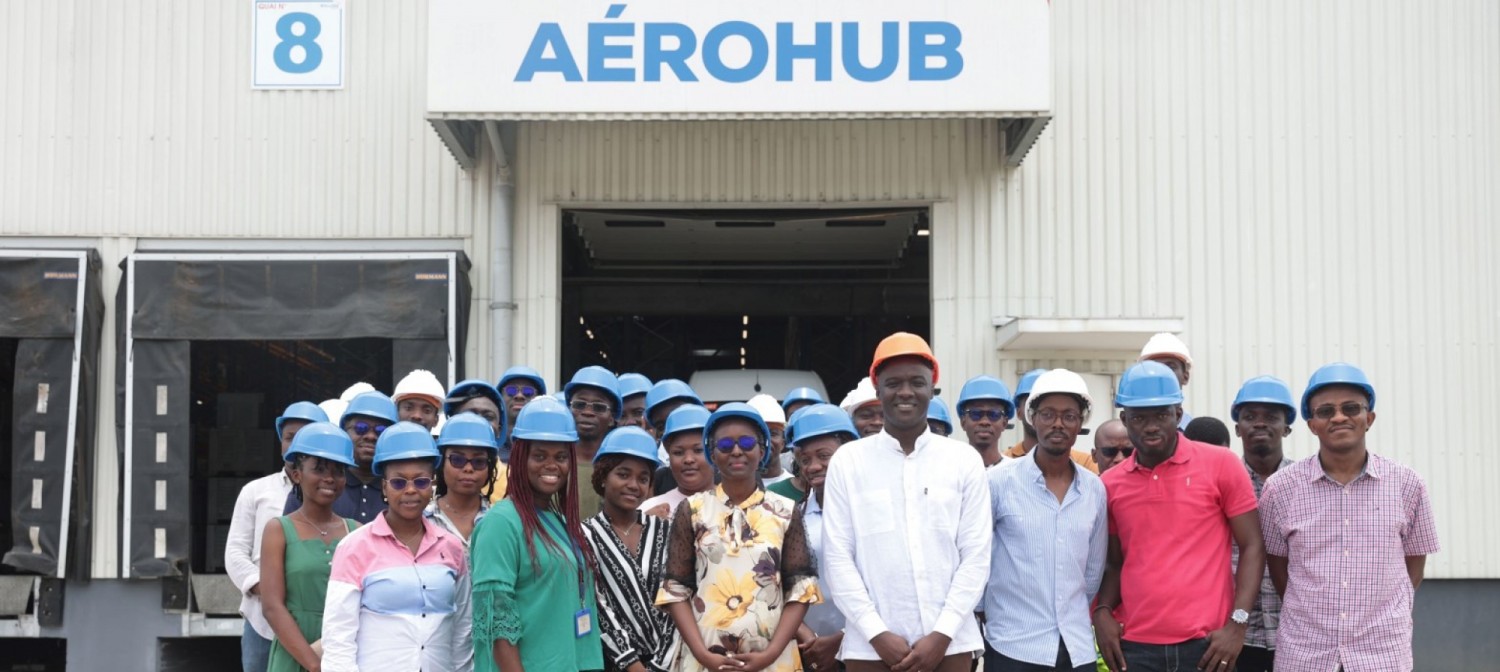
<point x="903" y="531"/>
<point x="259" y="502"/>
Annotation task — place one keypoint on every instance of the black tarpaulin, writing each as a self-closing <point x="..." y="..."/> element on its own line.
<point x="182" y="298"/>
<point x="40" y="297"/>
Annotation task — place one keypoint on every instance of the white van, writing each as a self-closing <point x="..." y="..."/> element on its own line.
<point x="726" y="385"/>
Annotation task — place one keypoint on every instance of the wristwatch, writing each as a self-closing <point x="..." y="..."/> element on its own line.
<point x="1240" y="616"/>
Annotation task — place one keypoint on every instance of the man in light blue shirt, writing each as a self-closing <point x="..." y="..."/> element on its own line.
<point x="1051" y="535"/>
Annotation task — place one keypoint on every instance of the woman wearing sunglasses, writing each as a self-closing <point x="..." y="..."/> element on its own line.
<point x="297" y="550"/>
<point x="398" y="597"/>
<point x="465" y="474"/>
<point x="534" y="600"/>
<point x="739" y="574"/>
<point x="630" y="548"/>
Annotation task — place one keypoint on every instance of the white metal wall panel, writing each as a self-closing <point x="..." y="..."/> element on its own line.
<point x="137" y="118"/>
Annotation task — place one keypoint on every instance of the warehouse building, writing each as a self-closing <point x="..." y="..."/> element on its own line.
<point x="210" y="210"/>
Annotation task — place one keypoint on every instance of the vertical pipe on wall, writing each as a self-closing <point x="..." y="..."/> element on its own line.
<point x="502" y="302"/>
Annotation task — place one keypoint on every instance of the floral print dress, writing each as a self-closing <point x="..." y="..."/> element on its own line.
<point x="737" y="565"/>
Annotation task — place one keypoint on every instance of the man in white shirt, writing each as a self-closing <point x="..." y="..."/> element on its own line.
<point x="259" y="502"/>
<point x="906" y="529"/>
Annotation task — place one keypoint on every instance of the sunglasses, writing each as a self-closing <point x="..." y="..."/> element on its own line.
<point x="459" y="462"/>
<point x="598" y="407"/>
<point x="399" y="484"/>
<point x="744" y="442"/>
<point x="361" y="428"/>
<point x="519" y="391"/>
<point x="1349" y="409"/>
<point x="976" y="414"/>
<point x="1112" y="452"/>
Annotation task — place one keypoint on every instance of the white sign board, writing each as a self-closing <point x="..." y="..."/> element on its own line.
<point x="769" y="57"/>
<point x="297" y="44"/>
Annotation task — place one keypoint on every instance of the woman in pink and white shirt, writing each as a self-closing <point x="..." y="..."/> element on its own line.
<point x="398" y="597"/>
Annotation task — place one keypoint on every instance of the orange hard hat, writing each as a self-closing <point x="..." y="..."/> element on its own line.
<point x="903" y="344"/>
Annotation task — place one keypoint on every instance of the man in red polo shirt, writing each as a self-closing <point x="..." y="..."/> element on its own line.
<point x="1168" y="602"/>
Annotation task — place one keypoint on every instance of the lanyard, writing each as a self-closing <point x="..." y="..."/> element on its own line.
<point x="576" y="552"/>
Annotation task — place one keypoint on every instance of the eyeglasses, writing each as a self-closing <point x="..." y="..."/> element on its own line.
<point x="1141" y="419"/>
<point x="361" y="427"/>
<point x="1112" y="452"/>
<point x="459" y="462"/>
<point x="1349" y="409"/>
<point x="744" y="442"/>
<point x="975" y="414"/>
<point x="421" y="484"/>
<point x="598" y="407"/>
<point x="519" y="391"/>
<point x="1048" y="416"/>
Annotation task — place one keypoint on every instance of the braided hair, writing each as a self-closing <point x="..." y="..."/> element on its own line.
<point x="565" y="502"/>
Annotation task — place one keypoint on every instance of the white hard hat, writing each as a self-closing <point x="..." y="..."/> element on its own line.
<point x="769" y="410"/>
<point x="1059" y="381"/>
<point x="334" y="408"/>
<point x="420" y="383"/>
<point x="1166" y="345"/>
<point x="863" y="393"/>
<point x="354" y="391"/>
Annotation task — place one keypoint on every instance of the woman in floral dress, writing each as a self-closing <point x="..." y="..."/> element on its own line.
<point x="739" y="575"/>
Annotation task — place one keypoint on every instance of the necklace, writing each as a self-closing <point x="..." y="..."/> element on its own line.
<point x="315" y="526"/>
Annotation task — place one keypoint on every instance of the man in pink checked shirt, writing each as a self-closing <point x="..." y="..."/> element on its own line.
<point x="1347" y="534"/>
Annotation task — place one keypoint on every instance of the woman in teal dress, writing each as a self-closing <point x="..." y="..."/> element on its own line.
<point x="297" y="549"/>
<point x="533" y="597"/>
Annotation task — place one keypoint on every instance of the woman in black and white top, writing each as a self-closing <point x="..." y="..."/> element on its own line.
<point x="631" y="550"/>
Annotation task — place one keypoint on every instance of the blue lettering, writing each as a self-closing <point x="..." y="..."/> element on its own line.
<point x="714" y="41"/>
<point x="890" y="45"/>
<point x="601" y="51"/>
<point x="820" y="51"/>
<point x="946" y="49"/>
<point x="654" y="56"/>
<point x="536" y="60"/>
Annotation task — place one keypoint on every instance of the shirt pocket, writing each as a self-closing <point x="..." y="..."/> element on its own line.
<point x="943" y="507"/>
<point x="873" y="512"/>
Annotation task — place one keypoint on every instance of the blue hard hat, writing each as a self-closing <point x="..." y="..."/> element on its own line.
<point x="630" y="441"/>
<point x="322" y="439"/>
<point x="469" y="430"/>
<point x="631" y="384"/>
<point x="370" y="404"/>
<point x="405" y="441"/>
<point x="990" y="388"/>
<point x="791" y="423"/>
<point x="525" y="372"/>
<point x="1023" y="387"/>
<point x="1337" y="373"/>
<point x="469" y="389"/>
<point x="302" y="410"/>
<point x="737" y="409"/>
<point x="802" y="394"/>
<point x="561" y="396"/>
<point x="937" y="409"/>
<point x="1264" y="390"/>
<point x="821" y="420"/>
<point x="667" y="390"/>
<point x="686" y="418"/>
<point x="1148" y="384"/>
<point x="600" y="378"/>
<point x="545" y="419"/>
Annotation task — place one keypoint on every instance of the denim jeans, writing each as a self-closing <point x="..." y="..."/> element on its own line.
<point x="994" y="661"/>
<point x="1179" y="657"/>
<point x="254" y="650"/>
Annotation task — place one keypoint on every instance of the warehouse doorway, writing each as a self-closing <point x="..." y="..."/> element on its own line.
<point x="669" y="292"/>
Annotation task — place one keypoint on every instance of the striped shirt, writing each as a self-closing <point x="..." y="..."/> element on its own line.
<point x="1266" y="614"/>
<point x="1045" y="564"/>
<point x="631" y="628"/>
<point x="1348" y="597"/>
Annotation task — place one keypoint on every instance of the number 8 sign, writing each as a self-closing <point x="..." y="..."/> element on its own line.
<point x="297" y="44"/>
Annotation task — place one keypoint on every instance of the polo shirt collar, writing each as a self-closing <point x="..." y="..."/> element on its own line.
<point x="1179" y="456"/>
<point x="380" y="528"/>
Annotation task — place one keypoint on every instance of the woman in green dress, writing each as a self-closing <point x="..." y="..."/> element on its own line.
<point x="297" y="549"/>
<point x="533" y="600"/>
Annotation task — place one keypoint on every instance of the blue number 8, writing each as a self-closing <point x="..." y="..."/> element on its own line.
<point x="312" y="53"/>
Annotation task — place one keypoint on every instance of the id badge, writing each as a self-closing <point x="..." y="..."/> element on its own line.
<point x="583" y="623"/>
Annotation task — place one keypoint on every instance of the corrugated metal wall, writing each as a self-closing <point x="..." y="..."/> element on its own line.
<point x="1300" y="182"/>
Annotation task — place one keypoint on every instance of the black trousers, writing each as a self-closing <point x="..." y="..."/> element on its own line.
<point x="1256" y="659"/>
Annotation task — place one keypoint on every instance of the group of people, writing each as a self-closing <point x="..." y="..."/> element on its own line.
<point x="622" y="525"/>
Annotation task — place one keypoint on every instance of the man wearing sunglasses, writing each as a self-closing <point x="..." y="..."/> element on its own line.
<point x="1348" y="533"/>
<point x="1111" y="445"/>
<point x="984" y="408"/>
<point x="366" y="417"/>
<point x="593" y="395"/>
